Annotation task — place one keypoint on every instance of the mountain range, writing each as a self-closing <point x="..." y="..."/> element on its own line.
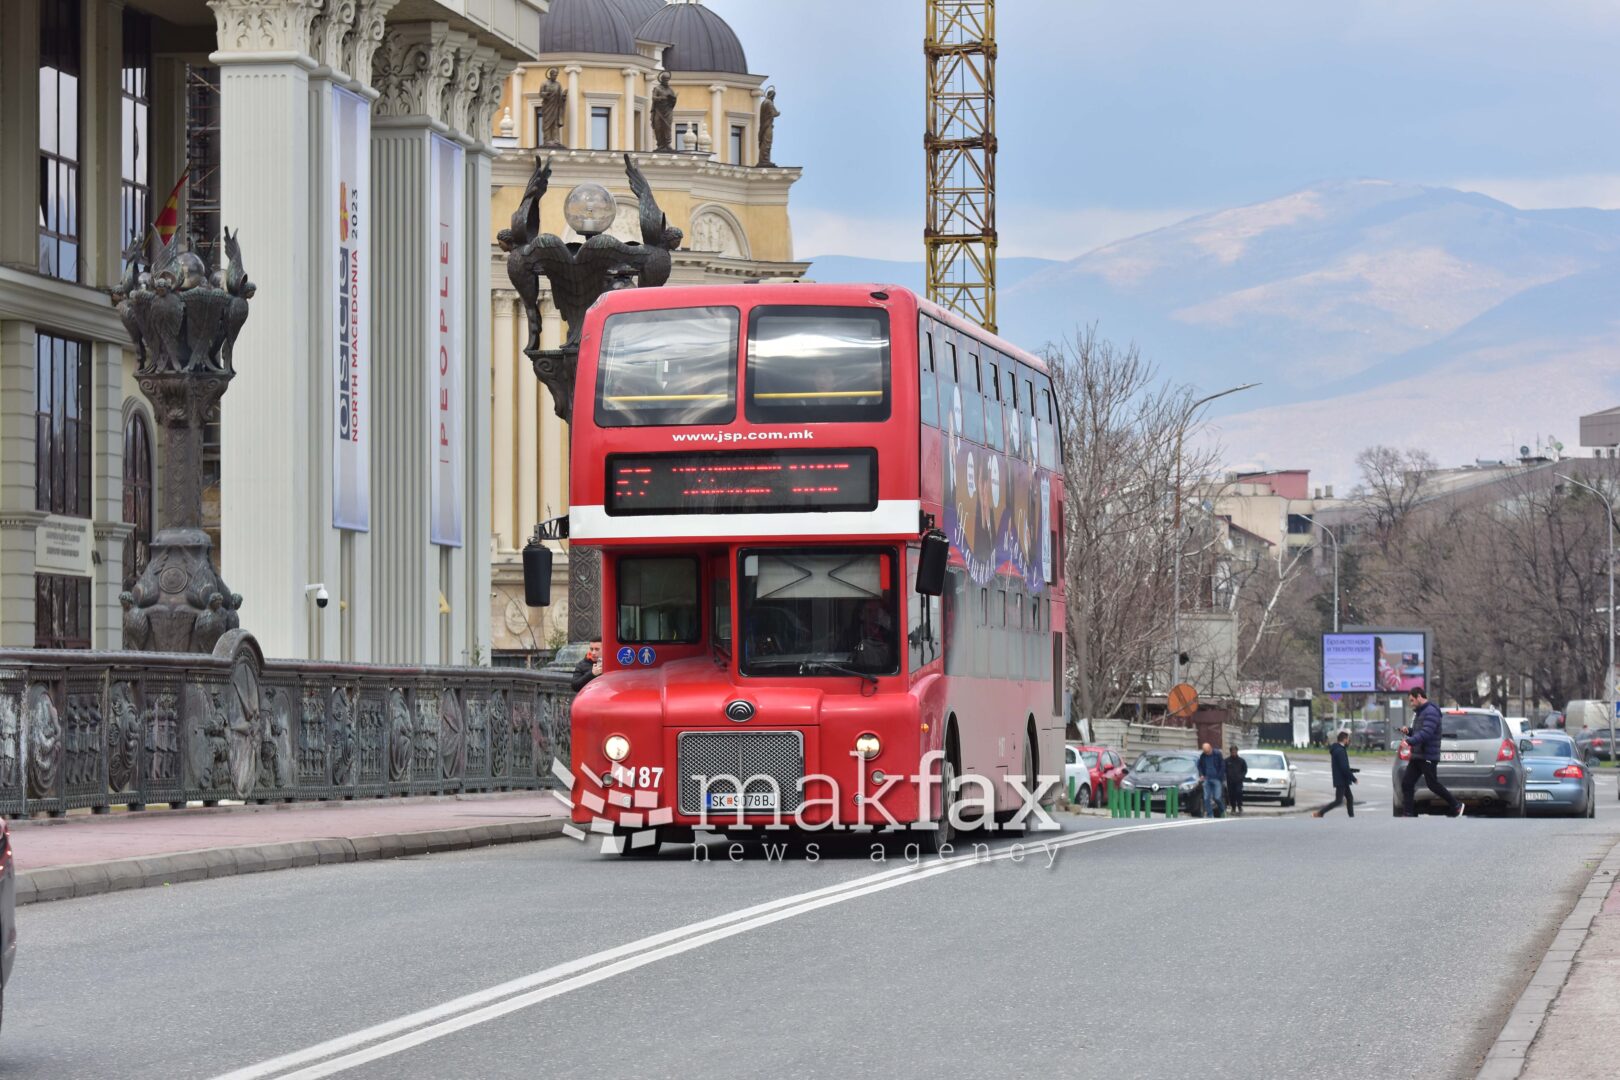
<point x="1369" y="311"/>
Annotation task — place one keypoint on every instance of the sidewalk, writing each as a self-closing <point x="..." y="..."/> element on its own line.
<point x="84" y="854"/>
<point x="1562" y="1026"/>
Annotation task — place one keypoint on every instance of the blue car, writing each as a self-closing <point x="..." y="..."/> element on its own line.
<point x="1555" y="779"/>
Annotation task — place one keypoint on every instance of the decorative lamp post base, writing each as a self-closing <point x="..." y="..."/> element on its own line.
<point x="180" y="603"/>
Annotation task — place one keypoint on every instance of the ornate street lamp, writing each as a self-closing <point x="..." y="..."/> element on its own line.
<point x="184" y="325"/>
<point x="578" y="274"/>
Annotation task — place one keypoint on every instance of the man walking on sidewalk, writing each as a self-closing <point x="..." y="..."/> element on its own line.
<point x="1343" y="777"/>
<point x="1424" y="739"/>
<point x="1212" y="769"/>
<point x="1237" y="770"/>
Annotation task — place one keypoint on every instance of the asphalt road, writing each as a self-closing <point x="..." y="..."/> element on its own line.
<point x="1261" y="947"/>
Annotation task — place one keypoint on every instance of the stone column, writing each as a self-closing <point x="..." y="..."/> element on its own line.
<point x="18" y="518"/>
<point x="19" y="144"/>
<point x="575" y="130"/>
<point x="751" y="139"/>
<point x="528" y="392"/>
<point x="719" y="136"/>
<point x="506" y="448"/>
<point x="265" y="63"/>
<point x="629" y="116"/>
<point x="412" y="73"/>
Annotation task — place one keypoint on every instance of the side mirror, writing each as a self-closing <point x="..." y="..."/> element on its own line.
<point x="931" y="563"/>
<point x="1524" y="746"/>
<point x="536" y="574"/>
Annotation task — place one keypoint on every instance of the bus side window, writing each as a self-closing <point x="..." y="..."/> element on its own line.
<point x="972" y="398"/>
<point x="992" y="405"/>
<point x="1046" y="429"/>
<point x="927" y="396"/>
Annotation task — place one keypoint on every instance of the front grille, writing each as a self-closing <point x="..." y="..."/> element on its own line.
<point x="754" y="757"/>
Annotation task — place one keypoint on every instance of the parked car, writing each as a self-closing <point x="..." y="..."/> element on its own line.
<point x="1555" y="779"/>
<point x="1593" y="746"/>
<point x="1155" y="772"/>
<point x="8" y="913"/>
<point x="1270" y="776"/>
<point x="1479" y="763"/>
<point x="1091" y="772"/>
<point x="1370" y="735"/>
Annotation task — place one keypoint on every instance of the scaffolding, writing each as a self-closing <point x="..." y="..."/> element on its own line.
<point x="960" y="236"/>
<point x="202" y="161"/>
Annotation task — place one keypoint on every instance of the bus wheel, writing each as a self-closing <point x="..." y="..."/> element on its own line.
<point x="934" y="840"/>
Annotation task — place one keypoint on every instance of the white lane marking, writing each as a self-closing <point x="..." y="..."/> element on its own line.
<point x="483" y="1006"/>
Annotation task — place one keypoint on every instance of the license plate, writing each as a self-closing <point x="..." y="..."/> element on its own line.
<point x="1457" y="755"/>
<point x="731" y="800"/>
<point x="1538" y="796"/>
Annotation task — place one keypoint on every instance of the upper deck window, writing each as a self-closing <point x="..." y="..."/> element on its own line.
<point x="668" y="367"/>
<point x="818" y="364"/>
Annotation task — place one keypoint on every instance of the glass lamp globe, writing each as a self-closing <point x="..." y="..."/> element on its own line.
<point x="589" y="209"/>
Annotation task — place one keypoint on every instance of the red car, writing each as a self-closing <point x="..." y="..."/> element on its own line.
<point x="1091" y="772"/>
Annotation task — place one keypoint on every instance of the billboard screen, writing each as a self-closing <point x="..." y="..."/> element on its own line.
<point x="1374" y="661"/>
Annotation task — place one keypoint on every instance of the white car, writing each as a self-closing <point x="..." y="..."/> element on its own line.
<point x="1270" y="776"/>
<point x="1077" y="775"/>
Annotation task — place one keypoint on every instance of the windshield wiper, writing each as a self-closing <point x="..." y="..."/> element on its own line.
<point x="837" y="669"/>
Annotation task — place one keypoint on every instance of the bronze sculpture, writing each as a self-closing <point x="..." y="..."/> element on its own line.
<point x="663" y="112"/>
<point x="553" y="107"/>
<point x="768" y="112"/>
<point x="184" y="326"/>
<point x="579" y="273"/>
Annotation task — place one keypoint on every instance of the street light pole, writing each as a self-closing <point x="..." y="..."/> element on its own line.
<point x="1335" y="539"/>
<point x="1608" y="676"/>
<point x="1175" y="601"/>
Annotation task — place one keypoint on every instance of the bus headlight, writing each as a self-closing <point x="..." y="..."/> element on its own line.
<point x="616" y="747"/>
<point x="867" y="745"/>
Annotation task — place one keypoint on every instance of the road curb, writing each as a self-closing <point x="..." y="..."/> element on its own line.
<point x="1505" y="1059"/>
<point x="151" y="871"/>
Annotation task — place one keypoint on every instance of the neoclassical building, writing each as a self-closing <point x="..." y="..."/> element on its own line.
<point x="734" y="211"/>
<point x="350" y="145"/>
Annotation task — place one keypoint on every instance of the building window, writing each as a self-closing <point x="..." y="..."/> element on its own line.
<point x="61" y="612"/>
<point x="59" y="138"/>
<point x="738" y="138"/>
<point x="601" y="127"/>
<point x="135" y="159"/>
<point x="61" y="426"/>
<point x="1299" y="525"/>
<point x="137" y="495"/>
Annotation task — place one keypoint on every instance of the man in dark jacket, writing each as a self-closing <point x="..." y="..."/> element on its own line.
<point x="1237" y="770"/>
<point x="1343" y="777"/>
<point x="1213" y="773"/>
<point x="589" y="666"/>
<point x="1424" y="739"/>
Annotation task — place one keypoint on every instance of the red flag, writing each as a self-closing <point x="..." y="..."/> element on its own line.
<point x="168" y="219"/>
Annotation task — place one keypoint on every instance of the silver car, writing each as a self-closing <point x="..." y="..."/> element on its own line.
<point x="1479" y="763"/>
<point x="1557" y="781"/>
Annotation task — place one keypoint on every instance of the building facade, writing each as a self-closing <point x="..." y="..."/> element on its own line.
<point x="349" y="145"/>
<point x="733" y="210"/>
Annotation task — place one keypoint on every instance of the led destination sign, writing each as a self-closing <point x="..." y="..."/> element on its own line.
<point x="760" y="482"/>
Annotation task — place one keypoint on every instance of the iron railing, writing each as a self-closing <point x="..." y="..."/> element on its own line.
<point x="103" y="729"/>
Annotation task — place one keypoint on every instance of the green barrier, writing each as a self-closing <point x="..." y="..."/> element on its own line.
<point x="1135" y="803"/>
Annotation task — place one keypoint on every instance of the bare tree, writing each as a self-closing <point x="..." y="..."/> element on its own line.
<point x="1121" y="430"/>
<point x="1392" y="484"/>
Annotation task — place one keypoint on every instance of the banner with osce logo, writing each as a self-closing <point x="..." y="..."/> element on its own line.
<point x="446" y="308"/>
<point x="351" y="344"/>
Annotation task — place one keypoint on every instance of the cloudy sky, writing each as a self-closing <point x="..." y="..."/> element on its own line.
<point x="1116" y="117"/>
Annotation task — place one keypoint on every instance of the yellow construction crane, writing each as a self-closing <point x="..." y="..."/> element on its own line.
<point x="960" y="236"/>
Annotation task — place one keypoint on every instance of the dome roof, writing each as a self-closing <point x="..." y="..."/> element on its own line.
<point x="586" y="26"/>
<point x="636" y="12"/>
<point x="699" y="39"/>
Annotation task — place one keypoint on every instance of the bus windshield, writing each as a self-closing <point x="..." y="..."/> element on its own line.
<point x="668" y="367"/>
<point x="818" y="611"/>
<point x="818" y="363"/>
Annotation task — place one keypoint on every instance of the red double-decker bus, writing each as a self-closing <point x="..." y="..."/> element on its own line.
<point x="763" y="467"/>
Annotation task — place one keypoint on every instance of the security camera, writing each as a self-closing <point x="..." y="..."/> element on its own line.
<point x="322" y="597"/>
